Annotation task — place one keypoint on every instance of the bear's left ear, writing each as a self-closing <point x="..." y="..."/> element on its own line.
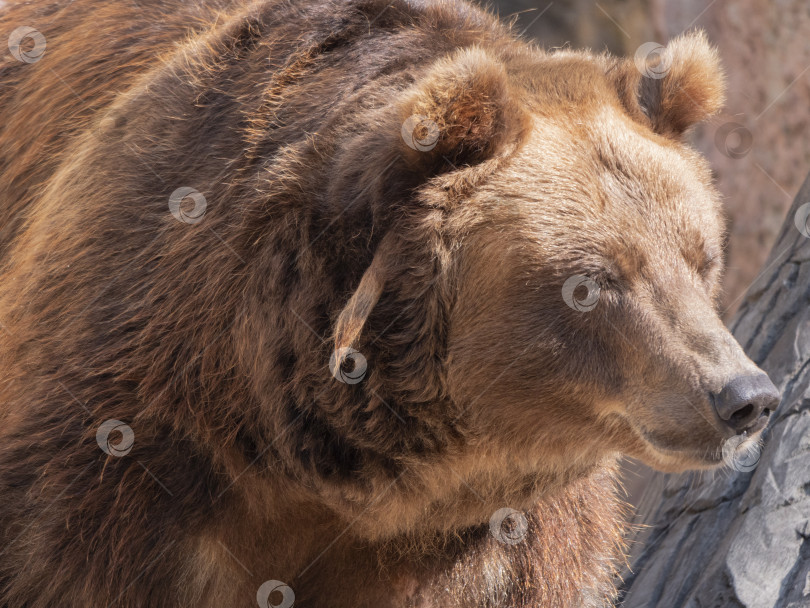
<point x="464" y="110"/>
<point x="459" y="111"/>
<point x="674" y="87"/>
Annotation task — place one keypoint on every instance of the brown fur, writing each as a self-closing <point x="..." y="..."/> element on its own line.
<point x="324" y="230"/>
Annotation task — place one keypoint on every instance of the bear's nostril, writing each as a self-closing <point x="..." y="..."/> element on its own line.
<point x="745" y="402"/>
<point x="740" y="415"/>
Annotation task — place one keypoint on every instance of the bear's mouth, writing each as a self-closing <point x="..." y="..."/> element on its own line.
<point x="670" y="456"/>
<point x="702" y="446"/>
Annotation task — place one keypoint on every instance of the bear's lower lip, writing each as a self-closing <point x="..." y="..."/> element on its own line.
<point x="707" y="456"/>
<point x="691" y="458"/>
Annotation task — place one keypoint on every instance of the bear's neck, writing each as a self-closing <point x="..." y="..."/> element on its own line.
<point x="566" y="554"/>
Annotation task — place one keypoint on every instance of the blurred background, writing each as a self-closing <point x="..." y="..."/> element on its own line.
<point x="757" y="146"/>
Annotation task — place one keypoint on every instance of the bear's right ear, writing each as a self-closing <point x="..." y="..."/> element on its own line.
<point x="674" y="87"/>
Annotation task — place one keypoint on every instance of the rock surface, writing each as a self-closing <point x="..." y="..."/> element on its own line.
<point x="740" y="536"/>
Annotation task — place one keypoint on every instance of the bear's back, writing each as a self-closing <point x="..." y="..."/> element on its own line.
<point x="96" y="50"/>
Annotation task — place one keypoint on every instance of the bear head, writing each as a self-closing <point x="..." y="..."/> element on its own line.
<point x="581" y="253"/>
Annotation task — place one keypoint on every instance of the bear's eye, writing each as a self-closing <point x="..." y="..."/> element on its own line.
<point x="711" y="260"/>
<point x="702" y="257"/>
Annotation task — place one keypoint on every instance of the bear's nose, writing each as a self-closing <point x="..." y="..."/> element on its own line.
<point x="745" y="403"/>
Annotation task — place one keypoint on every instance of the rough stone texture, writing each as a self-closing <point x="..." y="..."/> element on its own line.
<point x="742" y="539"/>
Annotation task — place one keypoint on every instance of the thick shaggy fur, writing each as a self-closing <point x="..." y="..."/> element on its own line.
<point x="323" y="230"/>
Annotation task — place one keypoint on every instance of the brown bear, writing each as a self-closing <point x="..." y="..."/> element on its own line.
<point x="345" y="303"/>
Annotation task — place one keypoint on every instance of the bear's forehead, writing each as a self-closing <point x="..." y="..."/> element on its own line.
<point x="603" y="157"/>
<point x="602" y="185"/>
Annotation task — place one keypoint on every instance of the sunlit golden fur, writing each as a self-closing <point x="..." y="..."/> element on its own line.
<point x="324" y="231"/>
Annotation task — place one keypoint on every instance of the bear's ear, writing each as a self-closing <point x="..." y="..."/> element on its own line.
<point x="674" y="87"/>
<point x="462" y="111"/>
